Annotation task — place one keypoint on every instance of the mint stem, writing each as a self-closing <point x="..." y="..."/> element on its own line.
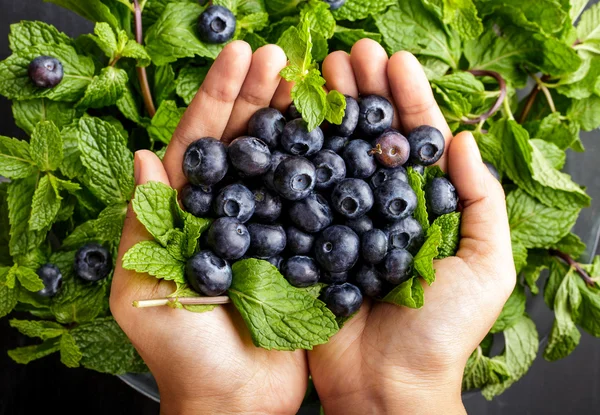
<point x="531" y="100"/>
<point x="185" y="301"/>
<point x="141" y="72"/>
<point x="499" y="101"/>
<point x="573" y="264"/>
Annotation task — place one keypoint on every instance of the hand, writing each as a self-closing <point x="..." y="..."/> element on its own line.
<point x="397" y="360"/>
<point x="206" y="363"/>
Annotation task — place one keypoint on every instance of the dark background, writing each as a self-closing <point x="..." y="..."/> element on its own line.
<point x="570" y="386"/>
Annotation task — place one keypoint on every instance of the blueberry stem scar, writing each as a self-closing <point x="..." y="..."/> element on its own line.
<point x="499" y="101"/>
<point x="141" y="72"/>
<point x="573" y="264"/>
<point x="223" y="299"/>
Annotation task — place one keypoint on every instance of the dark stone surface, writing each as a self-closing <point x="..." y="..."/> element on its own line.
<point x="570" y="386"/>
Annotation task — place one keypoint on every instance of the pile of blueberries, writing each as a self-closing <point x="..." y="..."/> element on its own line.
<point x="335" y="209"/>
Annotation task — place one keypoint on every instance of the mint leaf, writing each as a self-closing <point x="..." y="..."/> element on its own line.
<point x="360" y="9"/>
<point x="350" y="36"/>
<point x="109" y="224"/>
<point x="8" y="298"/>
<point x="581" y="83"/>
<point x="520" y="254"/>
<point x="588" y="27"/>
<point x="184" y="291"/>
<point x="29" y="113"/>
<point x="192" y="229"/>
<point x="482" y="370"/>
<point x="93" y="10"/>
<point x="15" y="158"/>
<point x="24" y="355"/>
<point x="189" y="80"/>
<point x="108" y="161"/>
<point x="150" y="257"/>
<point x="134" y="50"/>
<point x="336" y="107"/>
<point x="105" y="39"/>
<point x="424" y="259"/>
<point x="588" y="313"/>
<point x="155" y="205"/>
<point x="461" y="15"/>
<point x="310" y="99"/>
<point x="570" y="244"/>
<point x="43" y="329"/>
<point x="553" y="155"/>
<point x="545" y="16"/>
<point x="46" y="146"/>
<point x="450" y="227"/>
<point x="410" y="294"/>
<point x="253" y="22"/>
<point x="417" y="182"/>
<point x="22" y="238"/>
<point x="164" y="83"/>
<point x="29" y="279"/>
<point x="585" y="112"/>
<point x="558" y="131"/>
<point x="319" y="18"/>
<point x="128" y="106"/>
<point x="71" y="166"/>
<point x="297" y="45"/>
<point x="105" y="89"/>
<point x="45" y="205"/>
<point x="512" y="310"/>
<point x="70" y="355"/>
<point x="165" y="121"/>
<point x="278" y="315"/>
<point x="27" y="33"/>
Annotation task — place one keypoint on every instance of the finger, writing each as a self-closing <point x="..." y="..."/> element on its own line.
<point x="414" y="98"/>
<point x="369" y="63"/>
<point x="258" y="89"/>
<point x="210" y="110"/>
<point x="282" y="98"/>
<point x="338" y="72"/>
<point x="485" y="233"/>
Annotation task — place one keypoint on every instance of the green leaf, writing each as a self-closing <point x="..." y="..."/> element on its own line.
<point x="27" y="354"/>
<point x="482" y="370"/>
<point x="360" y="9"/>
<point x="105" y="39"/>
<point x="28" y="113"/>
<point x="582" y="83"/>
<point x="520" y="254"/>
<point x="558" y="131"/>
<point x="229" y="4"/>
<point x="45" y="205"/>
<point x="424" y="259"/>
<point x="43" y="329"/>
<point x="278" y="315"/>
<point x="155" y="205"/>
<point x="553" y="155"/>
<point x="318" y="17"/>
<point x="336" y="107"/>
<point x="150" y="257"/>
<point x="588" y="27"/>
<point x="255" y="41"/>
<point x="105" y="348"/>
<point x="350" y="36"/>
<point x="585" y="112"/>
<point x="165" y="121"/>
<point x="154" y="8"/>
<point x="8" y="299"/>
<point x="450" y="227"/>
<point x="417" y="182"/>
<point x="71" y="166"/>
<point x="108" y="161"/>
<point x="22" y="238"/>
<point x="297" y="46"/>
<point x="588" y="313"/>
<point x="512" y="310"/>
<point x="461" y="15"/>
<point x="105" y="89"/>
<point x="31" y="33"/>
<point x="253" y="22"/>
<point x="15" y="158"/>
<point x="136" y="51"/>
<point x="164" y="83"/>
<point x="29" y="279"/>
<point x="311" y="99"/>
<point x="128" y="106"/>
<point x="46" y="146"/>
<point x="189" y="80"/>
<point x="93" y="10"/>
<point x="109" y="224"/>
<point x="70" y="355"/>
<point x="570" y="244"/>
<point x="545" y="16"/>
<point x="192" y="229"/>
<point x="184" y="291"/>
<point x="410" y="294"/>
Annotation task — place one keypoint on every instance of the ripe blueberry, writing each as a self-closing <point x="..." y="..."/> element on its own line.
<point x="235" y="201"/>
<point x="405" y="234"/>
<point x="397" y="266"/>
<point x="197" y="199"/>
<point x="343" y="299"/>
<point x="335" y="143"/>
<point x="216" y="25"/>
<point x="360" y="163"/>
<point x="311" y="214"/>
<point x="45" y="71"/>
<point x="228" y="238"/>
<point x="352" y="198"/>
<point x="376" y="114"/>
<point x="250" y="156"/>
<point x="330" y="168"/>
<point x="370" y="281"/>
<point x="208" y="274"/>
<point x="93" y="262"/>
<point x="300" y="271"/>
<point x="267" y="124"/>
<point x="426" y="145"/>
<point x="335" y="4"/>
<point x="276" y="261"/>
<point x="350" y="120"/>
<point x="266" y="240"/>
<point x="384" y="174"/>
<point x="360" y="225"/>
<point x="492" y="170"/>
<point x="298" y="141"/>
<point x="395" y="200"/>
<point x="276" y="158"/>
<point x="298" y="242"/>
<point x="292" y="112"/>
<point x="334" y="277"/>
<point x="391" y="149"/>
<point x="441" y="196"/>
<point x="205" y="162"/>
<point x="52" y="279"/>
<point x="337" y="249"/>
<point x="374" y="246"/>
<point x="295" y="178"/>
<point x="267" y="205"/>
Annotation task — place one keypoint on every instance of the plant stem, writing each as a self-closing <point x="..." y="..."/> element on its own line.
<point x="499" y="101"/>
<point x="509" y="113"/>
<point x="141" y="72"/>
<point x="546" y="92"/>
<point x="532" y="97"/>
<point x="582" y="273"/>
<point x="185" y="301"/>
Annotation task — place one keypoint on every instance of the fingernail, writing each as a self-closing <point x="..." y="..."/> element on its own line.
<point x="473" y="148"/>
<point x="137" y="167"/>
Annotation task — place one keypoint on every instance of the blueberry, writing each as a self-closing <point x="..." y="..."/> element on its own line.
<point x="334" y="277"/>
<point x="416" y="167"/>
<point x="295" y="178"/>
<point x="426" y="145"/>
<point x="235" y="201"/>
<point x="300" y="271"/>
<point x="277" y="261"/>
<point x="384" y="174"/>
<point x="216" y="25"/>
<point x="208" y="274"/>
<point x="376" y="115"/>
<point x="493" y="170"/>
<point x="352" y="198"/>
<point x="359" y="161"/>
<point x="397" y="266"/>
<point x="267" y="205"/>
<point x="266" y="240"/>
<point x="335" y="143"/>
<point x="267" y="124"/>
<point x="374" y="246"/>
<point x="298" y="242"/>
<point x="337" y="248"/>
<point x="197" y="199"/>
<point x="350" y="120"/>
<point x="343" y="299"/>
<point x="335" y="4"/>
<point x="45" y="71"/>
<point x="394" y="200"/>
<point x="228" y="238"/>
<point x="52" y="279"/>
<point x="250" y="156"/>
<point x="330" y="168"/>
<point x="298" y="141"/>
<point x="311" y="214"/>
<point x="360" y="225"/>
<point x="276" y="158"/>
<point x="292" y="112"/>
<point x="205" y="162"/>
<point x="93" y="262"/>
<point x="441" y="196"/>
<point x="370" y="281"/>
<point x="391" y="149"/>
<point x="405" y="234"/>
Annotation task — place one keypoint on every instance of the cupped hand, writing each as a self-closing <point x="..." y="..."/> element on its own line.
<point x="394" y="359"/>
<point x="206" y="363"/>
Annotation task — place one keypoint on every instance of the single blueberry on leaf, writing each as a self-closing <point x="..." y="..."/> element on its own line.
<point x="208" y="274"/>
<point x="45" y="72"/>
<point x="93" y="262"/>
<point x="52" y="279"/>
<point x="216" y="24"/>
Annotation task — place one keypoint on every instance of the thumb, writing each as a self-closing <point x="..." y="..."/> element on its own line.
<point x="484" y="230"/>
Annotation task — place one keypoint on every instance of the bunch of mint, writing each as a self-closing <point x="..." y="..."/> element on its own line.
<point x="126" y="86"/>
